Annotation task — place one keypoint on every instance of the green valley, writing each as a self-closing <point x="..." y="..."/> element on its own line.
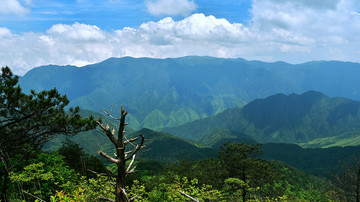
<point x="214" y="129"/>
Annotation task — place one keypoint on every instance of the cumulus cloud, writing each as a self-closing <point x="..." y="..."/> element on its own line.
<point x="326" y="29"/>
<point x="76" y="32"/>
<point x="170" y="7"/>
<point x="291" y="31"/>
<point x="4" y="32"/>
<point x="12" y="7"/>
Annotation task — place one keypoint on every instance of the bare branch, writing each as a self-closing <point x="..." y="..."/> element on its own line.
<point x="131" y="163"/>
<point x="109" y="115"/>
<point x="102" y="174"/>
<point x="131" y="140"/>
<point x="137" y="147"/>
<point x="108" y="133"/>
<point x="34" y="196"/>
<point x="122" y="154"/>
<point x="131" y="171"/>
<point x="113" y="160"/>
<point x="122" y="125"/>
<point x="190" y="197"/>
<point x="106" y="199"/>
<point x="123" y="191"/>
<point x="133" y="198"/>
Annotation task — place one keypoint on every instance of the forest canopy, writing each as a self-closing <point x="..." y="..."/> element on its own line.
<point x="27" y="121"/>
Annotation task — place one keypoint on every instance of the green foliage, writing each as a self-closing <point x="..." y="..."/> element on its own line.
<point x="213" y="183"/>
<point x="233" y="188"/>
<point x="173" y="191"/>
<point x="35" y="118"/>
<point x="138" y="191"/>
<point x="61" y="196"/>
<point x="295" y="185"/>
<point x="347" y="179"/>
<point x="347" y="139"/>
<point x="242" y="163"/>
<point x="44" y="175"/>
<point x="78" y="160"/>
<point x="98" y="186"/>
<point x="314" y="161"/>
<point x="27" y="121"/>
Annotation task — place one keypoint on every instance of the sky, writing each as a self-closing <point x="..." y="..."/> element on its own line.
<point x="81" y="32"/>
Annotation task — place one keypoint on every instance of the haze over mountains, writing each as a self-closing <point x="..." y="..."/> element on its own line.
<point x="162" y="93"/>
<point x="195" y="104"/>
<point x="280" y="118"/>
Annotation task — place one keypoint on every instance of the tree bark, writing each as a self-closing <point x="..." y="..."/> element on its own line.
<point x="121" y="155"/>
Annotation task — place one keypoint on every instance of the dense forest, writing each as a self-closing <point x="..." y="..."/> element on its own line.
<point x="223" y="164"/>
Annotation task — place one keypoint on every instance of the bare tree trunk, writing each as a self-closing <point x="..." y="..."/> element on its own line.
<point x="122" y="156"/>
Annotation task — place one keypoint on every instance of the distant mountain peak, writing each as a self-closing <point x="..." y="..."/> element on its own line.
<point x="282" y="118"/>
<point x="169" y="92"/>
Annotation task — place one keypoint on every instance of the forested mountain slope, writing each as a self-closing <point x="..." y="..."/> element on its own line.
<point x="281" y="118"/>
<point x="169" y="92"/>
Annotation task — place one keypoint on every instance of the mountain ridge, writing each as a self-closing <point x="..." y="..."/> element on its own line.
<point x="280" y="118"/>
<point x="180" y="90"/>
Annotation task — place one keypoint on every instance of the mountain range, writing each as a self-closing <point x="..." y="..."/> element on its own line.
<point x="282" y="118"/>
<point x="189" y="107"/>
<point x="161" y="93"/>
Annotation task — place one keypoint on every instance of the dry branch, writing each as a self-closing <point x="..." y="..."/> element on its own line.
<point x="190" y="197"/>
<point x="122" y="156"/>
<point x="109" y="158"/>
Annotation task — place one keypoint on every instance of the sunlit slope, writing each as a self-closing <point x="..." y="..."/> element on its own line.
<point x="169" y="92"/>
<point x="281" y="118"/>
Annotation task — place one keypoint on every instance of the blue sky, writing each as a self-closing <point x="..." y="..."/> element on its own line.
<point x="80" y="32"/>
<point x="39" y="15"/>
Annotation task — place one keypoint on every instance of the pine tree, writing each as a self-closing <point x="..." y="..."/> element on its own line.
<point x="27" y="121"/>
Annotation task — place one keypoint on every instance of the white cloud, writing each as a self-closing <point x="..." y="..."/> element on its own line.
<point x="279" y="30"/>
<point x="326" y="29"/>
<point x="5" y="32"/>
<point x="76" y="32"/>
<point x="170" y="7"/>
<point x="12" y="7"/>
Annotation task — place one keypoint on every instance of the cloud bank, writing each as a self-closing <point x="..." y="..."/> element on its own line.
<point x="291" y="31"/>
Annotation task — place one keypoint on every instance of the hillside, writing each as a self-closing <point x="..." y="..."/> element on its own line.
<point x="162" y="93"/>
<point x="165" y="147"/>
<point x="315" y="161"/>
<point x="282" y="118"/>
<point x="219" y="136"/>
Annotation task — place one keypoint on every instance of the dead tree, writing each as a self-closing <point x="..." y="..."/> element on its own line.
<point x="122" y="153"/>
<point x="347" y="180"/>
